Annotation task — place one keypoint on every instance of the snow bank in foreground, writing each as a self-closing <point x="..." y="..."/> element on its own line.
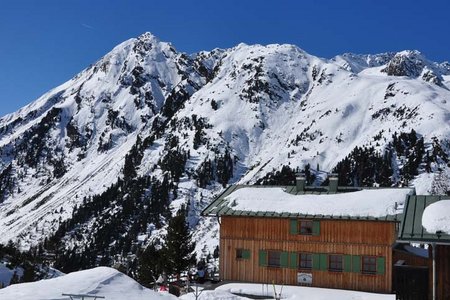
<point x="299" y="292"/>
<point x="100" y="281"/>
<point x="371" y="203"/>
<point x="213" y="295"/>
<point x="436" y="217"/>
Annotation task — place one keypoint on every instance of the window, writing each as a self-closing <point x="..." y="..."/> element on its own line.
<point x="242" y="253"/>
<point x="306" y="227"/>
<point x="335" y="263"/>
<point x="274" y="259"/>
<point x="305" y="261"/>
<point x="369" y="265"/>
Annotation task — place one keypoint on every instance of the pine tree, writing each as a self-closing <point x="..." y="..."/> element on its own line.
<point x="151" y="265"/>
<point x="224" y="170"/>
<point x="178" y="250"/>
<point x="216" y="252"/>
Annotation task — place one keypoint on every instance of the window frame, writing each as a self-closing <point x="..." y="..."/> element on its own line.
<point x="331" y="262"/>
<point x="240" y="253"/>
<point x="373" y="264"/>
<point x="306" y="261"/>
<point x="305" y="230"/>
<point x="269" y="254"/>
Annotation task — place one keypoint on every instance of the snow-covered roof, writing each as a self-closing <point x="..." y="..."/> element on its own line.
<point x="373" y="203"/>
<point x="426" y="219"/>
<point x="280" y="201"/>
<point x="436" y="217"/>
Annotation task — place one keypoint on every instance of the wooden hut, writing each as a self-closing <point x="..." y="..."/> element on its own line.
<point x="291" y="235"/>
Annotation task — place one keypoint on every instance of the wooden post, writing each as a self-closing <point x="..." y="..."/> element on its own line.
<point x="433" y="245"/>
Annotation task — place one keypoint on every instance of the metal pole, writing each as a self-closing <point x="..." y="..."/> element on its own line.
<point x="434" y="270"/>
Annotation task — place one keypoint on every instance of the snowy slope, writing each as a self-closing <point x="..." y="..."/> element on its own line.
<point x="145" y="106"/>
<point x="100" y="281"/>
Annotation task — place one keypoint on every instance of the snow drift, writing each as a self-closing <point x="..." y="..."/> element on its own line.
<point x="101" y="281"/>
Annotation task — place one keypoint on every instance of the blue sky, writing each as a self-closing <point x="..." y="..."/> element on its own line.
<point x="44" y="43"/>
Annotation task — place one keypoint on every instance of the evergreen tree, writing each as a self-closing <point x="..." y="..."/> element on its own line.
<point x="151" y="264"/>
<point x="178" y="250"/>
<point x="216" y="252"/>
<point x="224" y="170"/>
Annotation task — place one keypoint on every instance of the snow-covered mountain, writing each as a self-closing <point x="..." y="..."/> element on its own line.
<point x="147" y="128"/>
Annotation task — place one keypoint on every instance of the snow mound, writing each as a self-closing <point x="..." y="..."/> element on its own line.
<point x="365" y="203"/>
<point x="213" y="295"/>
<point x="101" y="281"/>
<point x="299" y="292"/>
<point x="436" y="217"/>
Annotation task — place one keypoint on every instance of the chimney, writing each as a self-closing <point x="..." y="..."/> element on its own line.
<point x="300" y="182"/>
<point x="333" y="183"/>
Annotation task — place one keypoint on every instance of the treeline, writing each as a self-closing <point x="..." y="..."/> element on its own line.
<point x="286" y="176"/>
<point x="365" y="166"/>
<point x="219" y="169"/>
<point x="15" y="259"/>
<point x="105" y="227"/>
<point x="403" y="159"/>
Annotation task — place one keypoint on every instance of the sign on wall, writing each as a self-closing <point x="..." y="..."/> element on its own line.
<point x="304" y="278"/>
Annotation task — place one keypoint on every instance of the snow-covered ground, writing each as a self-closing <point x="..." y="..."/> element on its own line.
<point x="101" y="281"/>
<point x="229" y="291"/>
<point x="113" y="285"/>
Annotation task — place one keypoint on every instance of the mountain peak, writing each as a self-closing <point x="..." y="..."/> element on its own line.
<point x="148" y="37"/>
<point x="410" y="53"/>
<point x="412" y="63"/>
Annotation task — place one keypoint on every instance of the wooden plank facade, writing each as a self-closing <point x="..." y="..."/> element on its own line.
<point x="442" y="272"/>
<point x="351" y="239"/>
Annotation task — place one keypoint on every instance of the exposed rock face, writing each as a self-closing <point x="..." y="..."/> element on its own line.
<point x="407" y="63"/>
<point x="412" y="64"/>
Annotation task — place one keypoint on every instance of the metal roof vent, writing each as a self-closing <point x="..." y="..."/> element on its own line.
<point x="300" y="182"/>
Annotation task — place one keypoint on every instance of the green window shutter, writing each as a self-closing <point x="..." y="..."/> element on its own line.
<point x="347" y="263"/>
<point x="316" y="261"/>
<point x="246" y="254"/>
<point x="293" y="226"/>
<point x="356" y="263"/>
<point x="381" y="262"/>
<point x="316" y="228"/>
<point x="262" y="258"/>
<point x="323" y="261"/>
<point x="293" y="260"/>
<point x="284" y="257"/>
